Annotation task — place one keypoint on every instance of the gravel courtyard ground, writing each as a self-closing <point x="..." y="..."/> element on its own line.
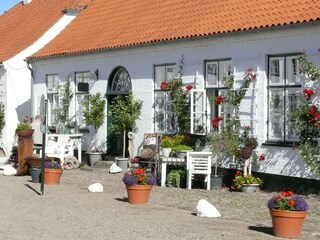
<point x="69" y="211"/>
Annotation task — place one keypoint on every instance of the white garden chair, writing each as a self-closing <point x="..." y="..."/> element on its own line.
<point x="198" y="163"/>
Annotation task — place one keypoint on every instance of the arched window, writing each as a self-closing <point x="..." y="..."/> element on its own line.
<point x="120" y="82"/>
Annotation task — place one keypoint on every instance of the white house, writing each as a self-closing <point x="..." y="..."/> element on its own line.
<point x="136" y="45"/>
<point x="26" y="28"/>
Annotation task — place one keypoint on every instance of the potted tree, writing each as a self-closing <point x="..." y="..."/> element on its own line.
<point x="94" y="116"/>
<point x="124" y="111"/>
<point x="223" y="144"/>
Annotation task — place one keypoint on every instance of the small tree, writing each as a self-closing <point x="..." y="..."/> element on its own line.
<point x="125" y="110"/>
<point x="94" y="112"/>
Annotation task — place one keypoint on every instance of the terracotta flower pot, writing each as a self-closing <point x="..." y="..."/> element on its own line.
<point x="287" y="224"/>
<point x="138" y="194"/>
<point x="52" y="176"/>
<point x="25" y="133"/>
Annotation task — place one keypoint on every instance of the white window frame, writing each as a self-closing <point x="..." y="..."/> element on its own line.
<point x="284" y="86"/>
<point x="164" y="118"/>
<point x="214" y="88"/>
<point x="52" y="86"/>
<point x="81" y="97"/>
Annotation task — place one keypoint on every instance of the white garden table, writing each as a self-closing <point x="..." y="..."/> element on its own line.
<point x="169" y="161"/>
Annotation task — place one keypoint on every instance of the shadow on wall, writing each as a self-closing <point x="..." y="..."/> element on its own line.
<point x="24" y="109"/>
<point x="284" y="161"/>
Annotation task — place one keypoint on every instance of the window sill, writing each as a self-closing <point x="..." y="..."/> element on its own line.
<point x="280" y="144"/>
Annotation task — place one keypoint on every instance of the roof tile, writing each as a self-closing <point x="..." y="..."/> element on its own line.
<point x="121" y="23"/>
<point x="22" y="25"/>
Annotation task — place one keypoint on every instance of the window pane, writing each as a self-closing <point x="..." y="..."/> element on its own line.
<point x="159" y="111"/>
<point x="170" y="72"/>
<point x="198" y="109"/>
<point x="160" y="76"/>
<point x="80" y="106"/>
<point x="224" y="70"/>
<point x="52" y="83"/>
<point x="164" y="114"/>
<point x="212" y="74"/>
<point x="291" y="105"/>
<point x="276" y="71"/>
<point x="276" y="115"/>
<point x="292" y="68"/>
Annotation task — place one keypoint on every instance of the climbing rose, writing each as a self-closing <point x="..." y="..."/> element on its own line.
<point x="189" y="87"/>
<point x="219" y="100"/>
<point x="308" y="92"/>
<point x="262" y="157"/>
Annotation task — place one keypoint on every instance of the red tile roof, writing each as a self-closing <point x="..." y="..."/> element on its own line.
<point x="23" y="24"/>
<point x="121" y="23"/>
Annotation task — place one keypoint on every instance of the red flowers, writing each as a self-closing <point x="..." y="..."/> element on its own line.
<point x="189" y="87"/>
<point x="308" y="92"/>
<point x="291" y="202"/>
<point x="238" y="172"/>
<point x="250" y="73"/>
<point x="262" y="157"/>
<point x="139" y="171"/>
<point x="219" y="100"/>
<point x="215" y="122"/>
<point x="164" y="85"/>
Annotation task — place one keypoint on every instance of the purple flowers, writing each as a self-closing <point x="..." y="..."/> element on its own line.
<point x="52" y="165"/>
<point x="139" y="177"/>
<point x="288" y="201"/>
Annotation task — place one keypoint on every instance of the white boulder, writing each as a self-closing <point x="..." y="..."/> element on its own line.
<point x="96" y="187"/>
<point x="8" y="170"/>
<point x="115" y="168"/>
<point x="206" y="209"/>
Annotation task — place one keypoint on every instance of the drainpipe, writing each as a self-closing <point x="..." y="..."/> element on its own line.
<point x="29" y="66"/>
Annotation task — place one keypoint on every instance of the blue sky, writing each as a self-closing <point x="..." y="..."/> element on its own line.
<point x="7" y="4"/>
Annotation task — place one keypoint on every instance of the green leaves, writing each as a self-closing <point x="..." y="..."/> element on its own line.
<point x="94" y="110"/>
<point x="125" y="110"/>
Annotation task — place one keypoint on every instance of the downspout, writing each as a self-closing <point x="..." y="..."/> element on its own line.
<point x="32" y="91"/>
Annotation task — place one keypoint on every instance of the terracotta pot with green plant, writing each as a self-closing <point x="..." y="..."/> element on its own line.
<point x="124" y="111"/>
<point x="24" y="130"/>
<point x="94" y="114"/>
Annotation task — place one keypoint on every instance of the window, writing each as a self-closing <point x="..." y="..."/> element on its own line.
<point x="81" y="96"/>
<point x="284" y="86"/>
<point x="164" y="115"/>
<point x="215" y="72"/>
<point x="52" y="81"/>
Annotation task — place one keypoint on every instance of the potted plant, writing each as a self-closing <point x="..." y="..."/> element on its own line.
<point x="52" y="172"/>
<point x="246" y="183"/>
<point x="138" y="184"/>
<point x="24" y="130"/>
<point x="223" y="144"/>
<point x="288" y="212"/>
<point x="166" y="144"/>
<point x="94" y="115"/>
<point x="124" y="111"/>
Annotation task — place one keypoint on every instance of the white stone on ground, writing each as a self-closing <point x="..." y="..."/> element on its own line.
<point x="115" y="168"/>
<point x="96" y="187"/>
<point x="206" y="209"/>
<point x="8" y="170"/>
